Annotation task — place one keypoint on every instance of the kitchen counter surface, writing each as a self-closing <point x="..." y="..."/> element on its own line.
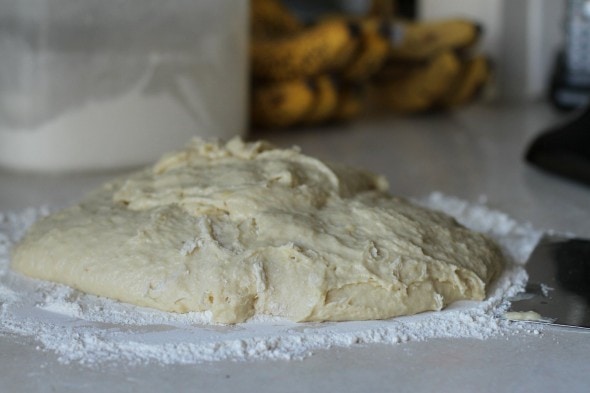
<point x="474" y="154"/>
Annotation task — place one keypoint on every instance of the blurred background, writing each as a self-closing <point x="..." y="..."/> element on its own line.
<point x="93" y="85"/>
<point x="442" y="55"/>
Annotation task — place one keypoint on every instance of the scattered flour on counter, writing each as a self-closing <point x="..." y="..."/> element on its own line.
<point x="91" y="330"/>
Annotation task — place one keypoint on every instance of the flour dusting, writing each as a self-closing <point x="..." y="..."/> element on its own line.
<point x="91" y="330"/>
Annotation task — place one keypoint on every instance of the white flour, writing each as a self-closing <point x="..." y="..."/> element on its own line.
<point x="89" y="329"/>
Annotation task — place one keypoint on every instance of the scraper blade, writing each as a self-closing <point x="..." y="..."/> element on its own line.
<point x="558" y="289"/>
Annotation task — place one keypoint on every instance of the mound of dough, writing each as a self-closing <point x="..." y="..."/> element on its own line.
<point x="245" y="228"/>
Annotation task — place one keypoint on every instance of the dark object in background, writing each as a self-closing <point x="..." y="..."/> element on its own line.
<point x="564" y="150"/>
<point x="568" y="90"/>
<point x="406" y="9"/>
<point x="309" y="10"/>
<point x="570" y="83"/>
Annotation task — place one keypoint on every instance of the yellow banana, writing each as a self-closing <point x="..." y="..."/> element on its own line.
<point x="311" y="51"/>
<point x="418" y="88"/>
<point x="325" y="100"/>
<point x="350" y="104"/>
<point x="422" y="40"/>
<point x="474" y="75"/>
<point x="394" y="69"/>
<point x="272" y="17"/>
<point x="280" y="104"/>
<point x="373" y="49"/>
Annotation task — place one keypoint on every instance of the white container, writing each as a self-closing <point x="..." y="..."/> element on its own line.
<point x="97" y="84"/>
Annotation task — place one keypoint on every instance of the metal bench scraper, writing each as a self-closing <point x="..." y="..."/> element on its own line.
<point x="558" y="290"/>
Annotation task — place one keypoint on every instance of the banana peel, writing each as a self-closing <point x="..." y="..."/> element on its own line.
<point x="474" y="76"/>
<point x="325" y="100"/>
<point x="309" y="75"/>
<point x="350" y="103"/>
<point x="312" y="51"/>
<point x="280" y="104"/>
<point x="372" y="50"/>
<point x="423" y="40"/>
<point x="414" y="88"/>
<point x="445" y="82"/>
<point x="272" y="18"/>
<point x="315" y="101"/>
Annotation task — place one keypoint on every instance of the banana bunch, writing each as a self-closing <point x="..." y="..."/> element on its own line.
<point x="432" y="66"/>
<point x="327" y="71"/>
<point x="311" y="74"/>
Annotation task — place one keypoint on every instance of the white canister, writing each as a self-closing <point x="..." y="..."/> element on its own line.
<point x="98" y="84"/>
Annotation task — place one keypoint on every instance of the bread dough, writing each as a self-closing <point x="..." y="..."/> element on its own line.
<point x="245" y="228"/>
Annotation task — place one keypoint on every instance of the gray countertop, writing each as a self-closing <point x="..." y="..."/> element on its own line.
<point x="472" y="154"/>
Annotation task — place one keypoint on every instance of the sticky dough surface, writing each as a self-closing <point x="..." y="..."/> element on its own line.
<point x="245" y="228"/>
